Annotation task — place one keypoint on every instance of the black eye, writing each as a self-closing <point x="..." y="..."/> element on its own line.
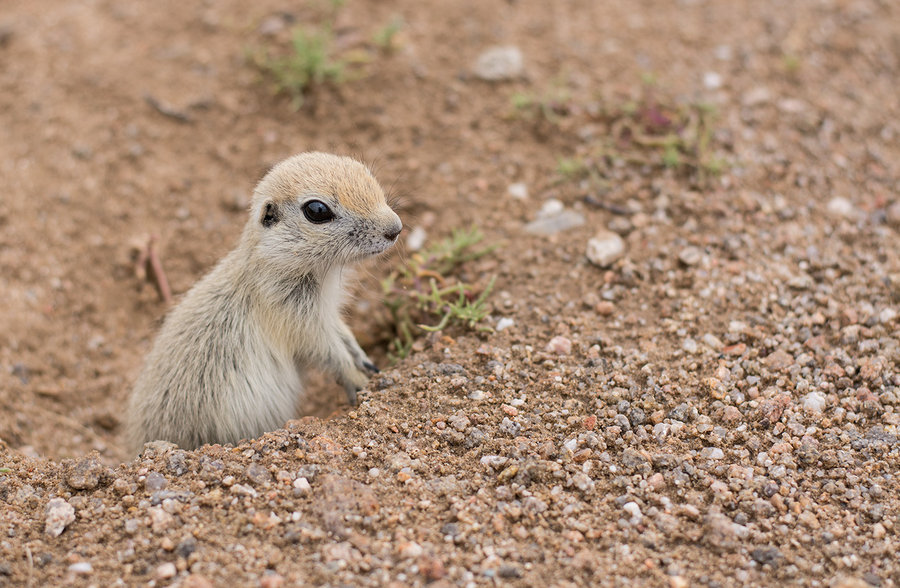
<point x="317" y="212"/>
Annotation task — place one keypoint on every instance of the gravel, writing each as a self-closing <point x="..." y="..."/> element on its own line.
<point x="719" y="406"/>
<point x="605" y="248"/>
<point x="500" y="64"/>
<point x="59" y="515"/>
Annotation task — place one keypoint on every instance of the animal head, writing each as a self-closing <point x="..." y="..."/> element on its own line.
<point x="322" y="211"/>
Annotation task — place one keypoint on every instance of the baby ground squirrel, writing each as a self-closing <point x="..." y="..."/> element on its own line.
<point x="228" y="361"/>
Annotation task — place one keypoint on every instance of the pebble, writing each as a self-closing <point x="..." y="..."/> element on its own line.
<point x="621" y="225"/>
<point x="553" y="218"/>
<point x="711" y="453"/>
<point x="160" y="520"/>
<point x="583" y="482"/>
<point x="60" y="514"/>
<point x="605" y="248"/>
<point x="271" y="580"/>
<point x="560" y="345"/>
<point x="712" y="341"/>
<point x="165" y="571"/>
<point x="258" y="474"/>
<point x="756" y="96"/>
<point x="409" y="549"/>
<point x="196" y="581"/>
<point x="634" y="511"/>
<point x="301" y="486"/>
<point x="841" y="207"/>
<point x="519" y="190"/>
<point x="416" y="239"/>
<point x="892" y="214"/>
<point x="81" y="567"/>
<point x="689" y="346"/>
<point x="504" y="323"/>
<point x="155" y="481"/>
<point x="550" y="208"/>
<point x="85" y="473"/>
<point x="500" y="64"/>
<point x="808" y="519"/>
<point x="690" y="255"/>
<point x="814" y="402"/>
<point x="712" y="80"/>
<point x="779" y="360"/>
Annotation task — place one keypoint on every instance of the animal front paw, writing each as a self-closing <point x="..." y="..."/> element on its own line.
<point x="353" y="382"/>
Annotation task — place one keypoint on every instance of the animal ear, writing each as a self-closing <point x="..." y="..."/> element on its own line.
<point x="270" y="215"/>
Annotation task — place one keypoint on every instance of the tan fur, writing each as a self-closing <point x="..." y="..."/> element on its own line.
<point x="228" y="361"/>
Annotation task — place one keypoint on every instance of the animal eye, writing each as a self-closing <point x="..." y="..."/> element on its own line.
<point x="317" y="212"/>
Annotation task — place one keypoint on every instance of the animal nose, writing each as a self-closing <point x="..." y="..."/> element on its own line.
<point x="392" y="233"/>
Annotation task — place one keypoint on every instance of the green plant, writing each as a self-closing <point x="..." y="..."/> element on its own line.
<point x="385" y="38"/>
<point x="648" y="130"/>
<point x="791" y="63"/>
<point x="310" y="62"/>
<point x="551" y="106"/>
<point x="423" y="295"/>
<point x="651" y="132"/>
<point x="571" y="168"/>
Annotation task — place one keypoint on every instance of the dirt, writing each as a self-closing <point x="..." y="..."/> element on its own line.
<point x="718" y="406"/>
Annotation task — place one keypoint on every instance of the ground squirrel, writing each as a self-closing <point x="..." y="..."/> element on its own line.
<point x="228" y="361"/>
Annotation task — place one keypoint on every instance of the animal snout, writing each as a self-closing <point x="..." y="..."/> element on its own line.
<point x="392" y="233"/>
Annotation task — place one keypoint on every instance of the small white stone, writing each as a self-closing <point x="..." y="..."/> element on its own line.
<point x="887" y="315"/>
<point x="493" y="461"/>
<point x="712" y="453"/>
<point x="841" y="207"/>
<point x="500" y="63"/>
<point x="60" y="514"/>
<point x="551" y="207"/>
<point x="301" y="485"/>
<point x="792" y="105"/>
<point x="689" y="345"/>
<point x="555" y="222"/>
<point x="81" y="567"/>
<point x="476" y="395"/>
<point x="166" y="570"/>
<point x="814" y="402"/>
<point x="411" y="550"/>
<point x="690" y="255"/>
<point x="605" y="248"/>
<point x="374" y="473"/>
<point x="505" y="323"/>
<point x="519" y="190"/>
<point x="416" y="239"/>
<point x="712" y="341"/>
<point x="243" y="490"/>
<point x="737" y="327"/>
<point x="712" y="80"/>
<point x="560" y="346"/>
<point x="661" y="430"/>
<point x="633" y="510"/>
<point x="757" y="95"/>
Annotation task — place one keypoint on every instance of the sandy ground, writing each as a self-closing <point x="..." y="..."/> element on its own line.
<point x="717" y="405"/>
